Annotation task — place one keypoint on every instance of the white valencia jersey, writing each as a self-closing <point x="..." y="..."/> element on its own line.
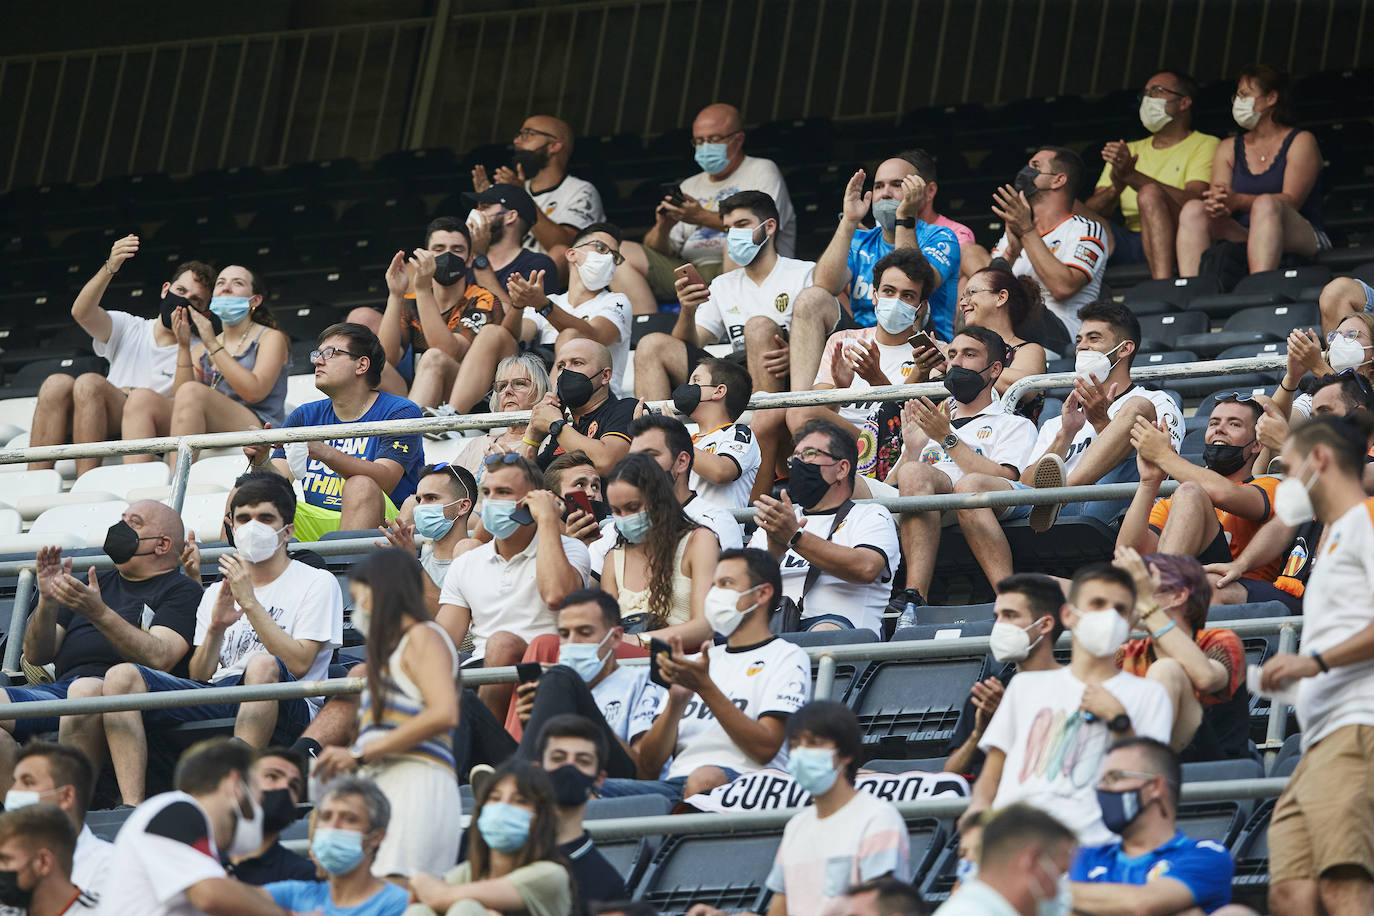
<point x="735" y="298"/>
<point x="737" y="443"/>
<point x="1005" y="438"/>
<point x="1165" y="408"/>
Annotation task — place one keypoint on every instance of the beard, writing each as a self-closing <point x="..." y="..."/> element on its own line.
<point x="530" y="162"/>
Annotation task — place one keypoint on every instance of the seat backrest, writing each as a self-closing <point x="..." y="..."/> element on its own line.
<point x="88" y="520"/>
<point x="831" y="637"/>
<point x="900" y="704"/>
<point x="1208" y="770"/>
<point x="627" y="806"/>
<point x="220" y="471"/>
<point x="35" y="372"/>
<point x="726" y="872"/>
<point x="44" y="482"/>
<point x="1255" y="611"/>
<point x="1216" y="821"/>
<point x="119" y="479"/>
<point x="1168" y="328"/>
<point x="1242" y="351"/>
<point x="964" y="613"/>
<point x="926" y="838"/>
<point x="1170" y="358"/>
<point x="1277" y="319"/>
<point x="1178" y="290"/>
<point x="203" y="513"/>
<point x="945" y="630"/>
<point x="1290" y="280"/>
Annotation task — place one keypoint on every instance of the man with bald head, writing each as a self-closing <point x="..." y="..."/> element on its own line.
<point x="688" y="226"/>
<point x="83" y="625"/>
<point x="580" y="413"/>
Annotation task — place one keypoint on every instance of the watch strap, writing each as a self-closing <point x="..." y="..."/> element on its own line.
<point x="908" y="222"/>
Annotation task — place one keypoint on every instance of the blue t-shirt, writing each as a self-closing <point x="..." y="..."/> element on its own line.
<point x="1203" y="866"/>
<point x="309" y="896"/>
<point x="323" y="488"/>
<point x="937" y="243"/>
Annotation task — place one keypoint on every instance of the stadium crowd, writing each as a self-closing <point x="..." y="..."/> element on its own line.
<point x="603" y="529"/>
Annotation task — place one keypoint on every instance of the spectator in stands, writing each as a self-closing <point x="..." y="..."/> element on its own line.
<point x="1203" y="670"/>
<point x="1343" y="297"/>
<point x="142" y="354"/>
<point x="970" y="434"/>
<point x="844" y="574"/>
<point x="597" y="421"/>
<point x="1014" y="307"/>
<point x="589" y="309"/>
<point x="725" y="459"/>
<point x="574" y="472"/>
<point x="589" y="684"/>
<point x="572" y="750"/>
<point x="63" y="775"/>
<point x="1152" y="178"/>
<point x="232" y="379"/>
<point x="1022" y="869"/>
<point x="167" y="854"/>
<point x="690" y="224"/>
<point x="1089" y="442"/>
<point x="1265" y="189"/>
<point x="514" y="864"/>
<point x="350" y="826"/>
<point x="504" y="591"/>
<point x="667" y="441"/>
<point x="409" y="707"/>
<point x="282" y="774"/>
<point x="500" y="220"/>
<point x="1028" y="618"/>
<point x="270" y="619"/>
<point x="439" y="511"/>
<point x="82" y="628"/>
<point x="1319" y="834"/>
<point x="885" y="896"/>
<point x="1154" y="866"/>
<point x="36" y="848"/>
<point x="356" y="482"/>
<point x="1086" y="705"/>
<point x="433" y="313"/>
<point x="727" y="709"/>
<point x="1046" y="239"/>
<point x="521" y="381"/>
<point x="662" y="562"/>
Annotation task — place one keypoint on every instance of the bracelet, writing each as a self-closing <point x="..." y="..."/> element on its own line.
<point x="530" y="442"/>
<point x="1161" y="632"/>
<point x="1286" y="388"/>
<point x="1320" y="663"/>
<point x="213" y="352"/>
<point x="106" y="265"/>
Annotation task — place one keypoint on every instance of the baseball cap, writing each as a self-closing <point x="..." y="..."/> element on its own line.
<point x="510" y="196"/>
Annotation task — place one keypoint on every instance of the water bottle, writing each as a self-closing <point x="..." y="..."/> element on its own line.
<point x="908" y="616"/>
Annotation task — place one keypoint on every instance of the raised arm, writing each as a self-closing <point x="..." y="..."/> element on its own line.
<point x="86" y="309"/>
<point x="832" y="268"/>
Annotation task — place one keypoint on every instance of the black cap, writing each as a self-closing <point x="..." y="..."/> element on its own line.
<point x="510" y="196"/>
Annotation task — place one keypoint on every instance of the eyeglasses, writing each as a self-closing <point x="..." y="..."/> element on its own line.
<point x="1158" y="92"/>
<point x="969" y="292"/>
<point x="515" y="384"/>
<point x="601" y="247"/>
<point x="1352" y="334"/>
<point x="714" y="138"/>
<point x="527" y="133"/>
<point x="1116" y="777"/>
<point x="325" y="354"/>
<point x="492" y="461"/>
<point x="808" y="454"/>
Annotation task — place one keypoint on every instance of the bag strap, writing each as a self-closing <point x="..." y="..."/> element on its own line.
<point x="813" y="572"/>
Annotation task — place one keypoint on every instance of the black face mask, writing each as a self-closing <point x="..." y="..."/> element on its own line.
<point x="278" y="810"/>
<point x="571" y="786"/>
<point x="805" y="485"/>
<point x="964" y="384"/>
<point x="1025" y="180"/>
<point x="449" y="269"/>
<point x="530" y="161"/>
<point x="574" y="388"/>
<point x="170" y="303"/>
<point x="1224" y="459"/>
<point x="121" y="542"/>
<point x="11" y="894"/>
<point x="686" y="398"/>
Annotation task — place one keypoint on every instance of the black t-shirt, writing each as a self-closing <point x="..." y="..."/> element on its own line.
<point x="612" y="418"/>
<point x="173" y="598"/>
<point x="524" y="264"/>
<point x="597" y="880"/>
<point x="276" y="864"/>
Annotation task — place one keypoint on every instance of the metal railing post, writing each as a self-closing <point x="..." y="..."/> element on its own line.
<point x="19" y="616"/>
<point x="181" y="477"/>
<point x="825" y="678"/>
<point x="1023" y="386"/>
<point x="1278" y="712"/>
<point x="429" y="75"/>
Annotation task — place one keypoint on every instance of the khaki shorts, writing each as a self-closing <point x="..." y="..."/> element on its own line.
<point x="661" y="277"/>
<point x="1325" y="816"/>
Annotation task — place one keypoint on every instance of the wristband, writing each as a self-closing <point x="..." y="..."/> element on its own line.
<point x="1316" y="656"/>
<point x="1165" y="629"/>
<point x="213" y="352"/>
<point x="1286" y="388"/>
<point x="908" y="222"/>
<point x="792" y="541"/>
<point x="530" y="442"/>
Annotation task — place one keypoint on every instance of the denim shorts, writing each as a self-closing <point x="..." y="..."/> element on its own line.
<point x="292" y="715"/>
<point x="1102" y="510"/>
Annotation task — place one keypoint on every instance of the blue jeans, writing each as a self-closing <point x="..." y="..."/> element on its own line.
<point x="839" y="620"/>
<point x="670" y="789"/>
<point x="27" y="728"/>
<point x="1102" y="510"/>
<point x="292" y="715"/>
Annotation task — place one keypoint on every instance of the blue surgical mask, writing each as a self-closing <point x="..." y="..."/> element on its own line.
<point x="813" y="768"/>
<point x="504" y="827"/>
<point x="965" y="870"/>
<point x="231" y="309"/>
<point x="1119" y="809"/>
<point x="337" y="851"/>
<point x="496" y="517"/>
<point x="583" y="657"/>
<point x="431" y="522"/>
<point x="894" y="316"/>
<point x="740" y="245"/>
<point x="633" y="528"/>
<point x="885" y="213"/>
<point x="712" y="157"/>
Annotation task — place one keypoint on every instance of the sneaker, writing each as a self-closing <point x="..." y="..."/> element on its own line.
<point x="443" y="410"/>
<point x="1046" y="473"/>
<point x="896" y="607"/>
<point x="479" y="776"/>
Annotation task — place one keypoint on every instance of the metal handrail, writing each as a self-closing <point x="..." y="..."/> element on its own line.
<point x="1026" y="384"/>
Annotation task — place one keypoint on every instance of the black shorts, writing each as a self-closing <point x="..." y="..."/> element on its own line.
<point x="1257" y="590"/>
<point x="1218" y="551"/>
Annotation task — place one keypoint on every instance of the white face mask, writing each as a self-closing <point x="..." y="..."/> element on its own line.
<point x="1292" y="499"/>
<point x="721" y="609"/>
<point x="1101" y="633"/>
<point x="475" y="218"/>
<point x="1010" y="643"/>
<point x="247" y="830"/>
<point x="1154" y="113"/>
<point x="297" y="458"/>
<point x="1345" y="353"/>
<point x="1061" y="904"/>
<point x="256" y="542"/>
<point x="596" y="270"/>
<point x="1243" y="111"/>
<point x="1092" y="364"/>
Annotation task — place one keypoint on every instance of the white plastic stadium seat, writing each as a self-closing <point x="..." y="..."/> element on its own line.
<point x="66" y="467"/>
<point x="10" y="521"/>
<point x="33" y="506"/>
<point x="28" y="542"/>
<point x="18" y="412"/>
<point x="203" y="513"/>
<point x="164" y="492"/>
<point x="220" y="471"/>
<point x="22" y="482"/>
<point x="87" y="520"/>
<point x="119" y="479"/>
<point x="300" y="389"/>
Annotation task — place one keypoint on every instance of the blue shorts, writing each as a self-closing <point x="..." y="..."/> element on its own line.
<point x="1368" y="294"/>
<point x="406" y="366"/>
<point x="839" y="620"/>
<point x="27" y="728"/>
<point x="670" y="789"/>
<point x="1102" y="510"/>
<point x="1129" y="248"/>
<point x="292" y="715"/>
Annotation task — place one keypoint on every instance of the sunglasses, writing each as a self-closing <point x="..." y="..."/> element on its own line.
<point x="492" y="461"/>
<point x="452" y="469"/>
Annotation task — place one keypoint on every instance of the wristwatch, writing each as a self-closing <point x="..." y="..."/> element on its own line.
<point x="948" y="442"/>
<point x="907" y="222"/>
<point x="1119" y="725"/>
<point x="481" y="263"/>
<point x="556" y="427"/>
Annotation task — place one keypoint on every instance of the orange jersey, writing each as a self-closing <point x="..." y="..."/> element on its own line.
<point x="1136" y="657"/>
<point x="478" y="309"/>
<point x="1238" y="530"/>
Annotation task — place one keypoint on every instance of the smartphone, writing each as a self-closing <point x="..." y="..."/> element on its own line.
<point x="580" y="500"/>
<point x="525" y="672"/>
<point x="923" y="339"/>
<point x="522" y="516"/>
<point x="689" y="273"/>
<point x="671" y="190"/>
<point x="657" y="649"/>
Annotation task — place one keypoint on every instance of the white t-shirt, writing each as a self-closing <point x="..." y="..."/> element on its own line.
<point x="1165" y="408"/>
<point x="735" y="298"/>
<point x="615" y="308"/>
<point x="867" y="525"/>
<point x="771" y="677"/>
<point x="572" y="202"/>
<point x="91" y="862"/>
<point x="434" y="567"/>
<point x="1005" y="438"/>
<point x="1338" y="603"/>
<point x="304" y="601"/>
<point x="1054" y="755"/>
<point x="820" y="858"/>
<point x="628" y="700"/>
<point x="166" y="846"/>
<point x="504" y="594"/>
<point x="707" y="515"/>
<point x="736" y="442"/>
<point x="697" y="243"/>
<point x="136" y="361"/>
<point x="1081" y="244"/>
<point x="895" y="362"/>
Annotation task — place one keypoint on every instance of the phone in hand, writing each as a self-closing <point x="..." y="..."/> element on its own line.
<point x="689" y="273"/>
<point x="923" y="339"/>
<point x="528" y="672"/>
<point x="657" y="649"/>
<point x="522" y="516"/>
<point x="581" y="501"/>
<point x="673" y="191"/>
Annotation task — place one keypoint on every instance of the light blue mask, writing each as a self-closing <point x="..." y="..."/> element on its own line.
<point x="813" y="768"/>
<point x="338" y="851"/>
<point x="504" y="827"/>
<point x="634" y="528"/>
<point x="496" y="517"/>
<point x="712" y="157"/>
<point x="231" y="309"/>
<point x="430" y="521"/>
<point x="740" y="244"/>
<point x="885" y="213"/>
<point x="894" y="316"/>
<point x="583" y="657"/>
